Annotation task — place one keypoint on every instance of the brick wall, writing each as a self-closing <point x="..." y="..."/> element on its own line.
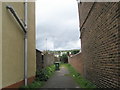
<point x="100" y="42"/>
<point x="44" y="60"/>
<point x="39" y="60"/>
<point x="76" y="62"/>
<point x="48" y="59"/>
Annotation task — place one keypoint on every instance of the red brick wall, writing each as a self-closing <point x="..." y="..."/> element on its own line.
<point x="76" y="62"/>
<point x="100" y="40"/>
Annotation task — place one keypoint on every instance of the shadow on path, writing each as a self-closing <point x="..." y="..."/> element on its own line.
<point x="61" y="79"/>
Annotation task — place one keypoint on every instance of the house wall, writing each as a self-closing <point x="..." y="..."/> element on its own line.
<point x="100" y="46"/>
<point x="0" y="45"/>
<point x="13" y="44"/>
<point x="31" y="40"/>
<point x="85" y="12"/>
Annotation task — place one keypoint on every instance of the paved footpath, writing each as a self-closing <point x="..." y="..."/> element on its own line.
<point x="61" y="79"/>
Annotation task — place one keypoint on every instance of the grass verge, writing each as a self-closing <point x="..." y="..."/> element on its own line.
<point x="82" y="82"/>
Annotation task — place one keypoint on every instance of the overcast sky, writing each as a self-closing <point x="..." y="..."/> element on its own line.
<point x="57" y="25"/>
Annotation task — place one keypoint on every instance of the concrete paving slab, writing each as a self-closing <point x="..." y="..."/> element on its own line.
<point x="61" y="79"/>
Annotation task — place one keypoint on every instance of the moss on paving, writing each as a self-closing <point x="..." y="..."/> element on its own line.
<point x="82" y="82"/>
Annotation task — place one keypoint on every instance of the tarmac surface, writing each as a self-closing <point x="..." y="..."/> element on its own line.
<point x="61" y="79"/>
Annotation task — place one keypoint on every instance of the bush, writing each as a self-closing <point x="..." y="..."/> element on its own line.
<point x="44" y="74"/>
<point x="64" y="58"/>
<point x="74" y="52"/>
<point x="41" y="76"/>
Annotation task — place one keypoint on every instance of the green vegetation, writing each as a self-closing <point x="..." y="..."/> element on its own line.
<point x="59" y="51"/>
<point x="74" y="52"/>
<point x="35" y="84"/>
<point x="64" y="58"/>
<point x="45" y="73"/>
<point x="41" y="77"/>
<point x="82" y="82"/>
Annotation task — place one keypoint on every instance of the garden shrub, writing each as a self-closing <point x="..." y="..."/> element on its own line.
<point x="41" y="76"/>
<point x="44" y="74"/>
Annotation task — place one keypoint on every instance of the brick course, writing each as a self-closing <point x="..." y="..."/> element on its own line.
<point x="99" y="24"/>
<point x="76" y="62"/>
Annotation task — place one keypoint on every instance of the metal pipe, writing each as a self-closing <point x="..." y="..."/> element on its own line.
<point x="25" y="13"/>
<point x="11" y="9"/>
<point x="25" y="46"/>
<point x="25" y="60"/>
<point x="24" y="28"/>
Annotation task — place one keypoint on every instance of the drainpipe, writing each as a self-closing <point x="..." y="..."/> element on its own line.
<point x="25" y="45"/>
<point x="24" y="28"/>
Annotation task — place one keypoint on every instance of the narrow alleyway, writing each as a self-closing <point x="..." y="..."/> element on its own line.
<point x="61" y="79"/>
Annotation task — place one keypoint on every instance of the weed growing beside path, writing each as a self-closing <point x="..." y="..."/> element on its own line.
<point x="35" y="84"/>
<point x="45" y="74"/>
<point x="82" y="82"/>
<point x="41" y="76"/>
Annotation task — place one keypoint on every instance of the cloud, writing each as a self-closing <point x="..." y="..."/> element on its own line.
<point x="57" y="20"/>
